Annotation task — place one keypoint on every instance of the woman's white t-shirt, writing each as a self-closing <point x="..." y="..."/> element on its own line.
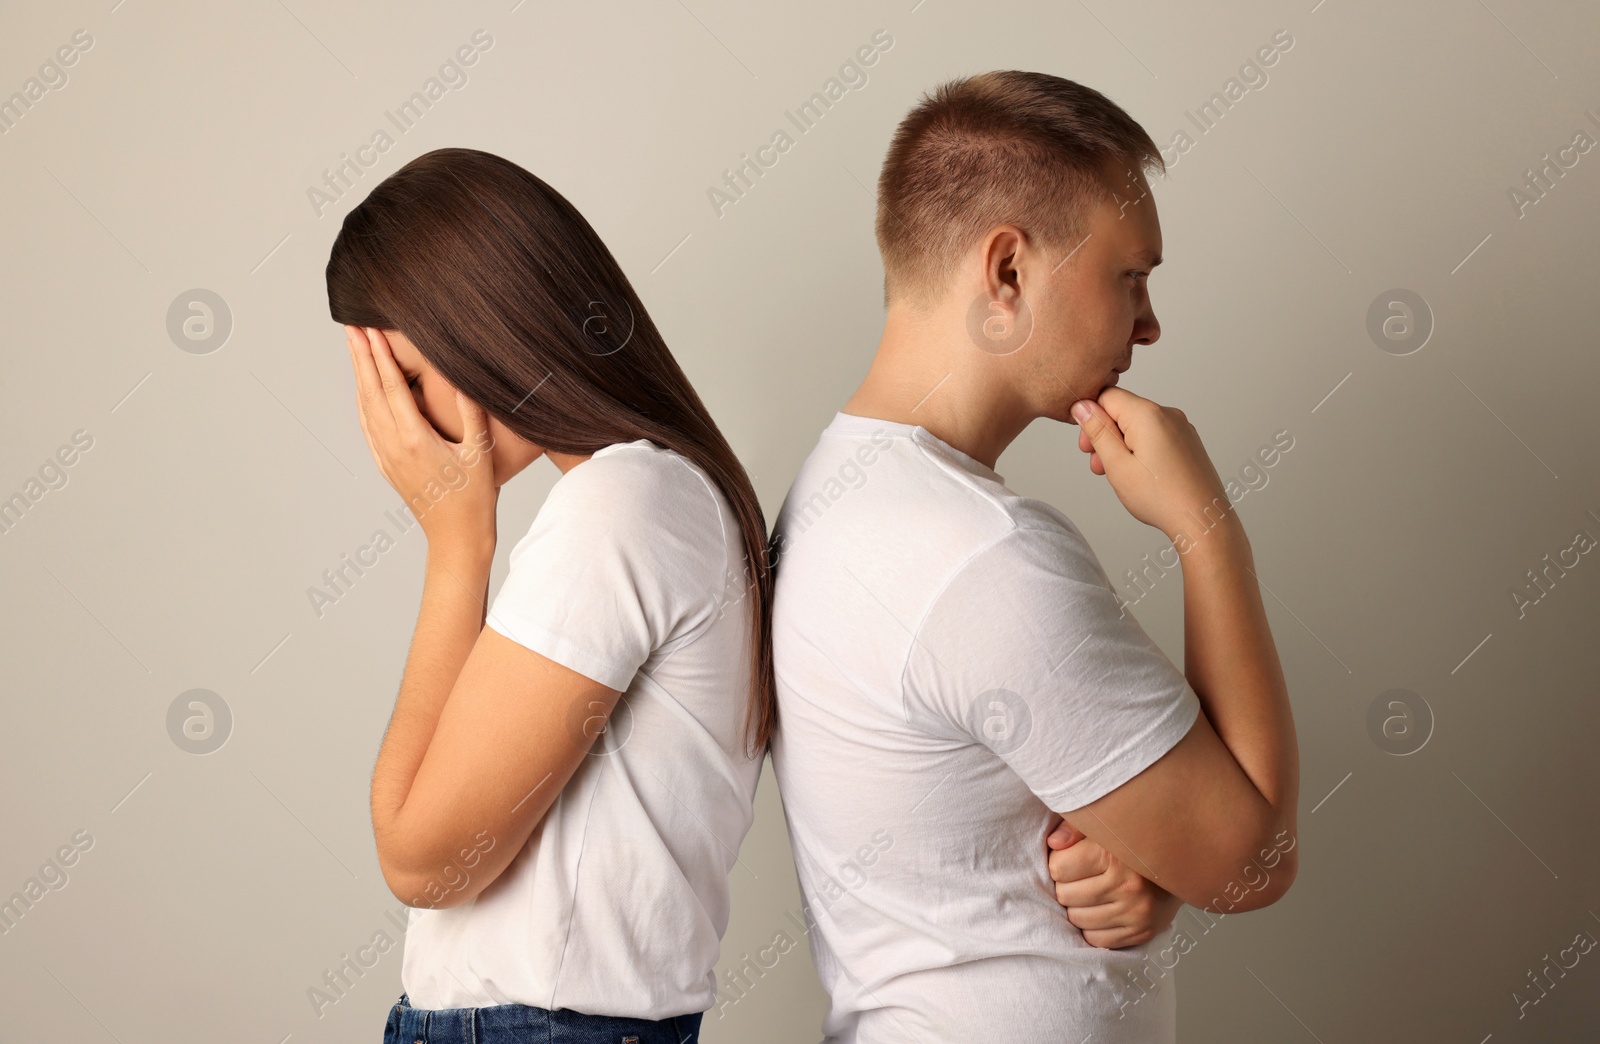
<point x="632" y="574"/>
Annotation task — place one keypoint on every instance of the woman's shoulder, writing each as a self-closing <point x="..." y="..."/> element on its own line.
<point x="644" y="469"/>
<point x="642" y="484"/>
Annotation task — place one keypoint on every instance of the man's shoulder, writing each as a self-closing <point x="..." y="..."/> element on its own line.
<point x="1041" y="543"/>
<point x="889" y="482"/>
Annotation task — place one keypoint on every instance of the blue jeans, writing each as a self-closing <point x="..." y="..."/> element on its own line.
<point x="522" y="1024"/>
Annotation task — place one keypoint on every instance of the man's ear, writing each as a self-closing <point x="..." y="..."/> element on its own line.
<point x="1003" y="250"/>
<point x="999" y="318"/>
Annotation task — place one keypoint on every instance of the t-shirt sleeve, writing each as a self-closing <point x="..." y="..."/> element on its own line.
<point x="603" y="578"/>
<point x="1028" y="652"/>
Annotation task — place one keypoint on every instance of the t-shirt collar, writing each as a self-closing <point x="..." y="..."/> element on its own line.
<point x="856" y="424"/>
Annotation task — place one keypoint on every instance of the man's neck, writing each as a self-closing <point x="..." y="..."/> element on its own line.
<point x="926" y="373"/>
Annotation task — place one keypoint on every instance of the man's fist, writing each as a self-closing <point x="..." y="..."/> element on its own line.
<point x="1111" y="905"/>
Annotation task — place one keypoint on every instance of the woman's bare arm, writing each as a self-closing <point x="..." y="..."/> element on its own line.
<point x="484" y="735"/>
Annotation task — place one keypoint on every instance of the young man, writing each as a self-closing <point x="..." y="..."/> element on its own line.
<point x="955" y="672"/>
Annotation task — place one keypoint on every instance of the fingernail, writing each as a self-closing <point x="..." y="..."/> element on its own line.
<point x="1081" y="411"/>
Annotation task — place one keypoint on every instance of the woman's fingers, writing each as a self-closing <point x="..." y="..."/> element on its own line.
<point x="474" y="419"/>
<point x="403" y="412"/>
<point x="369" y="386"/>
<point x="361" y="362"/>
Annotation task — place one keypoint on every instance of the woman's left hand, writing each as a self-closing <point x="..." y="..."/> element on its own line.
<point x="449" y="486"/>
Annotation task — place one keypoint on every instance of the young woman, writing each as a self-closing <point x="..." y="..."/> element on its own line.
<point x="568" y="774"/>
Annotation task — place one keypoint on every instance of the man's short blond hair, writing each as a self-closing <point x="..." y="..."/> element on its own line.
<point x="1023" y="148"/>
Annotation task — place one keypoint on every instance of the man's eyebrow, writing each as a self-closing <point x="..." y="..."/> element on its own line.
<point x="1149" y="257"/>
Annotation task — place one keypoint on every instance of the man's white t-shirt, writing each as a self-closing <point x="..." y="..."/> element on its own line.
<point x="953" y="665"/>
<point x="631" y="575"/>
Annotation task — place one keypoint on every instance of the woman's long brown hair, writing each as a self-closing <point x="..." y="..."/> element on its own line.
<point x="511" y="295"/>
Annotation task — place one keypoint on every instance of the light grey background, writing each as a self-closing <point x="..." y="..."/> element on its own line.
<point x="220" y="888"/>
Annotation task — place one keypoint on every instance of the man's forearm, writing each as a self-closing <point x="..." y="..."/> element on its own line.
<point x="1232" y="664"/>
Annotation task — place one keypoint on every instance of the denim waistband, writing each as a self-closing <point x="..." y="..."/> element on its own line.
<point x="524" y="1024"/>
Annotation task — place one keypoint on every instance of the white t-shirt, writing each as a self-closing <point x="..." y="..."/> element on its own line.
<point x="630" y="575"/>
<point x="952" y="666"/>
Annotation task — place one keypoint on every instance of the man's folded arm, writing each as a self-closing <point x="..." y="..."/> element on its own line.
<point x="1213" y="820"/>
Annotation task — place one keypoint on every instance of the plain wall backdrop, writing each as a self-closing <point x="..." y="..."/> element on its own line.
<point x="1423" y="547"/>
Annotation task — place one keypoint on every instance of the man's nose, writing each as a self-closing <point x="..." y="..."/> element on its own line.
<point x="1147" y="329"/>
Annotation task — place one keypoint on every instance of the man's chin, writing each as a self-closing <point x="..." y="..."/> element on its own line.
<point x="1064" y="413"/>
